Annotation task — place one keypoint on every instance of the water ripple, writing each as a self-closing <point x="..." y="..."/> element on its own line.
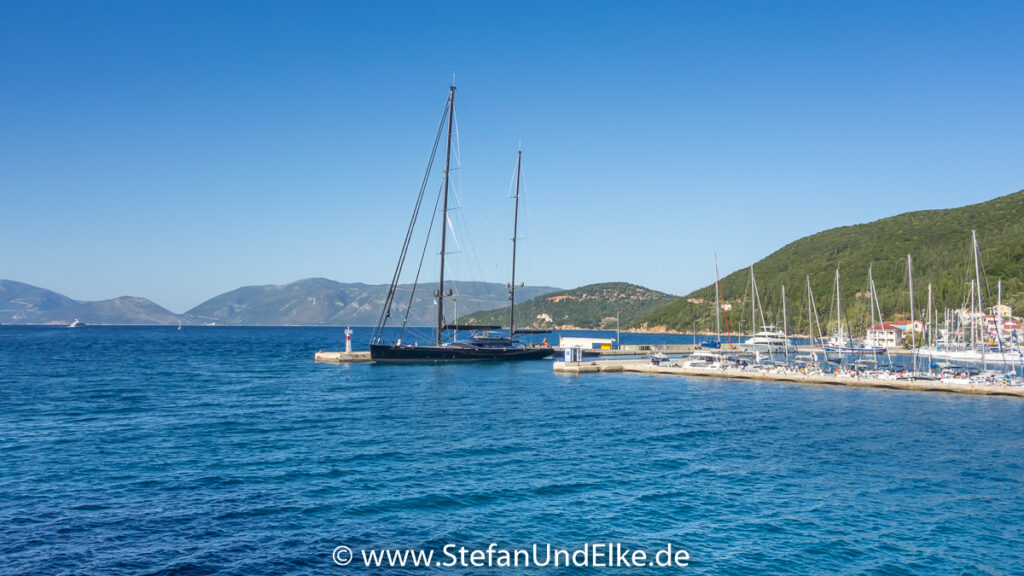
<point x="228" y="451"/>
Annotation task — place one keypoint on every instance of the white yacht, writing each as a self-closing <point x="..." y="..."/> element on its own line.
<point x="769" y="340"/>
<point x="708" y="359"/>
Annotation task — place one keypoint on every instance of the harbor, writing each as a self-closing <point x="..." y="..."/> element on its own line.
<point x="647" y="366"/>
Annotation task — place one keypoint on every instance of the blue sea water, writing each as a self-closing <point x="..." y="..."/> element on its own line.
<point x="229" y="451"/>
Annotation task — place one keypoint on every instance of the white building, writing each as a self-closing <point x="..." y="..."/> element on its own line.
<point x="886" y="334"/>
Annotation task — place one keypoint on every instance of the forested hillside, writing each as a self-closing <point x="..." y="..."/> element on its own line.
<point x="939" y="242"/>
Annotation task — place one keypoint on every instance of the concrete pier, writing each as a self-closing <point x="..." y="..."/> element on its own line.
<point x="342" y="357"/>
<point x="645" y="367"/>
<point x="631" y="350"/>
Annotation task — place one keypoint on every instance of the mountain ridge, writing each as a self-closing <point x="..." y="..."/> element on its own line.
<point x="305" y="302"/>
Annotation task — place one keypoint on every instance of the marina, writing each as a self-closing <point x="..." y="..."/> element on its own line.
<point x="647" y="366"/>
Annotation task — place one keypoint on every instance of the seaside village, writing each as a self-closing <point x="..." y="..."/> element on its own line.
<point x="999" y="324"/>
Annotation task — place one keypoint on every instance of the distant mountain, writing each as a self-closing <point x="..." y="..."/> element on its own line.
<point x="126" y="310"/>
<point x="20" y="302"/>
<point x="310" y="302"/>
<point x="938" y="240"/>
<point x="319" y="301"/>
<point x="589" y="307"/>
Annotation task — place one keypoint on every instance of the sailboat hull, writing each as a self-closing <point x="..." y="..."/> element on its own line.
<point x="456" y="353"/>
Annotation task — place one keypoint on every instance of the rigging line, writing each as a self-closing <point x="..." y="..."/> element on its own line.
<point x="389" y="299"/>
<point x="524" y="222"/>
<point x="817" y="320"/>
<point x="496" y="163"/>
<point x="760" y="309"/>
<point x="419" y="268"/>
<point x="456" y="191"/>
<point x="452" y="266"/>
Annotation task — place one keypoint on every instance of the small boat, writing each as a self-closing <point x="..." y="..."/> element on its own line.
<point x="660" y="359"/>
<point x="710" y="359"/>
<point x="838" y="343"/>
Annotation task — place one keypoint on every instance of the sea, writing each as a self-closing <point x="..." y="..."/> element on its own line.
<point x="217" y="450"/>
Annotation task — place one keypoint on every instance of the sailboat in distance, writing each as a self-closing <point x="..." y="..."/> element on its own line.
<point x="483" y="346"/>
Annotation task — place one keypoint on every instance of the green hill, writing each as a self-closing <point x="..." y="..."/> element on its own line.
<point x="589" y="307"/>
<point x="938" y="240"/>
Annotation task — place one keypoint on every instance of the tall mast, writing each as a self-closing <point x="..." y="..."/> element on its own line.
<point x="913" y="338"/>
<point x="874" y="298"/>
<point x="973" y="340"/>
<point x="839" y="313"/>
<point x="718" y="305"/>
<point x="999" y="314"/>
<point x="928" y="329"/>
<point x="875" y="306"/>
<point x="785" y="338"/>
<point x="444" y="213"/>
<point x="871" y="298"/>
<point x="810" y="319"/>
<point x="753" y="303"/>
<point x="981" y="314"/>
<point x="515" y="233"/>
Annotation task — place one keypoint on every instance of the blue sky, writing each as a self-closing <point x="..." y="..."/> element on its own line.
<point x="177" y="150"/>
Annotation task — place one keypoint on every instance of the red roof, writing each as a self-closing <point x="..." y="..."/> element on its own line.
<point x="889" y="326"/>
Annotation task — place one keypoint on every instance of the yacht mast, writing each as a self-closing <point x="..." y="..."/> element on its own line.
<point x="753" y="303"/>
<point x="928" y="329"/>
<point x="444" y="214"/>
<point x="973" y="339"/>
<point x="913" y="338"/>
<point x="810" y="319"/>
<point x="515" y="233"/>
<point x="929" y="334"/>
<point x="999" y="311"/>
<point x="718" y="306"/>
<point x="721" y="295"/>
<point x="785" y="338"/>
<point x="977" y="277"/>
<point x="871" y="300"/>
<point x="756" y="304"/>
<point x="839" y="314"/>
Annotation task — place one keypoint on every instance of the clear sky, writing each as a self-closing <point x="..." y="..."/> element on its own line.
<point x="177" y="150"/>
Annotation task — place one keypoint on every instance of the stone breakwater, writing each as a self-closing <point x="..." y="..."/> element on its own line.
<point x="645" y="366"/>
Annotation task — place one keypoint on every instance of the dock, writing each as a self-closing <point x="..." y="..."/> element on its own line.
<point x="644" y="366"/>
<point x="343" y="357"/>
<point x="631" y="350"/>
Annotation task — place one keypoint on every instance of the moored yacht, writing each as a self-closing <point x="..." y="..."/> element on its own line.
<point x="483" y="346"/>
<point x="769" y="340"/>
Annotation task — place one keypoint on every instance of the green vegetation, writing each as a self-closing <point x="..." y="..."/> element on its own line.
<point x="939" y="242"/>
<point x="591" y="307"/>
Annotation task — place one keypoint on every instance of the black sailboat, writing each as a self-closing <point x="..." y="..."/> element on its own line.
<point x="482" y="346"/>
